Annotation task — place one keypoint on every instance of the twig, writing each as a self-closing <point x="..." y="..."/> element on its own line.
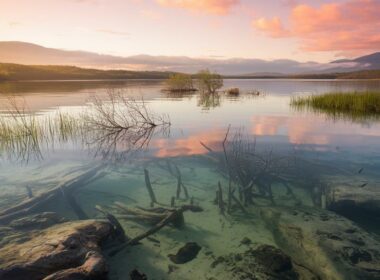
<point x="206" y="147"/>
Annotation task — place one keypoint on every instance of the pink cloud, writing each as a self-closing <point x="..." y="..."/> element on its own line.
<point x="351" y="28"/>
<point x="218" y="7"/>
<point x="189" y="145"/>
<point x="273" y="27"/>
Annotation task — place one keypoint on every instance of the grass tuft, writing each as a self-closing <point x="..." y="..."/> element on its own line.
<point x="354" y="105"/>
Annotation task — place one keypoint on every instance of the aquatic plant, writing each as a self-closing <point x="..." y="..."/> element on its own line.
<point x="353" y="105"/>
<point x="209" y="100"/>
<point x="110" y="127"/>
<point x="251" y="174"/>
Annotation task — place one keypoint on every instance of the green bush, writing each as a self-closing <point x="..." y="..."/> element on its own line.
<point x="209" y="82"/>
<point x="180" y="82"/>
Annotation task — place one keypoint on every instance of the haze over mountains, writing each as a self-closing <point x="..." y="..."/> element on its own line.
<point x="32" y="54"/>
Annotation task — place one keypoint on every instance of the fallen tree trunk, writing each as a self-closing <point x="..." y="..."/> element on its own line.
<point x="31" y="204"/>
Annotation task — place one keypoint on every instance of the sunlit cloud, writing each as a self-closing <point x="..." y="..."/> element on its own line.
<point x="113" y="32"/>
<point x="350" y="28"/>
<point x="151" y="14"/>
<point x="272" y="27"/>
<point x="190" y="145"/>
<point x="218" y="7"/>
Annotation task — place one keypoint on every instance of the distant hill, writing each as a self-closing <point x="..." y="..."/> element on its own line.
<point x="370" y="62"/>
<point x="32" y="54"/>
<point x="16" y="72"/>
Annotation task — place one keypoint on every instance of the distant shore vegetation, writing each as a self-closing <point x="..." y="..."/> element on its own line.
<point x="19" y="72"/>
<point x="353" y="105"/>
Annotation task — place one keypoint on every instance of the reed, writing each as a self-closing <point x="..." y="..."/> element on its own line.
<point x="354" y="105"/>
<point x="101" y="127"/>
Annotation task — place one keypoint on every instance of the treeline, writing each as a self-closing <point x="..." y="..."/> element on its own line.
<point x="18" y="72"/>
<point x="364" y="74"/>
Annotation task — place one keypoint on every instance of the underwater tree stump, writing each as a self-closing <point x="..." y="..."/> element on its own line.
<point x="66" y="251"/>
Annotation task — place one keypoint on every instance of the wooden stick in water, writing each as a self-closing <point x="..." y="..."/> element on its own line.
<point x="185" y="191"/>
<point x="220" y="199"/>
<point x="237" y="201"/>
<point x="229" y="196"/>
<point x="149" y="187"/>
<point x="179" y="183"/>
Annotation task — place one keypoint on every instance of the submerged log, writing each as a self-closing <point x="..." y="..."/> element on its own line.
<point x="327" y="244"/>
<point x="28" y="206"/>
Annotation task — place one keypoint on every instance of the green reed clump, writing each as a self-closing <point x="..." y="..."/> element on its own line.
<point x="355" y="105"/>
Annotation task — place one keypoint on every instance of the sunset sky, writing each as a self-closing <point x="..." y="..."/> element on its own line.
<point x="318" y="30"/>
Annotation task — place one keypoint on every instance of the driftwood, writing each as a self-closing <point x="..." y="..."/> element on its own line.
<point x="28" y="206"/>
<point x="172" y="216"/>
<point x="117" y="228"/>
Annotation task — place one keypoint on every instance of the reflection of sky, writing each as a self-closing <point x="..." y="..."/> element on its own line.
<point x="269" y="118"/>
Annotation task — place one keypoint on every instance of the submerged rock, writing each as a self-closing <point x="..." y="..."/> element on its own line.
<point x="332" y="249"/>
<point x="66" y="251"/>
<point x="246" y="241"/>
<point x="137" y="275"/>
<point x="264" y="262"/>
<point x="273" y="259"/>
<point x="186" y="254"/>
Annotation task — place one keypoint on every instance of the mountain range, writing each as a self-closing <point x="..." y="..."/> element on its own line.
<point x="32" y="54"/>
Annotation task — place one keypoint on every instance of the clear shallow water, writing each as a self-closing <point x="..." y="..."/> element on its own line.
<point x="327" y="153"/>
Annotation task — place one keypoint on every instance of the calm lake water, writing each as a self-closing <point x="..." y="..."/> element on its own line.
<point x="320" y="152"/>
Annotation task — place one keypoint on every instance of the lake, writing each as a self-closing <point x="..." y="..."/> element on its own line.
<point x="304" y="182"/>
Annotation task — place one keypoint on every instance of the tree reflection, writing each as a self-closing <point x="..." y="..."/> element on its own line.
<point x="112" y="129"/>
<point x="208" y="100"/>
